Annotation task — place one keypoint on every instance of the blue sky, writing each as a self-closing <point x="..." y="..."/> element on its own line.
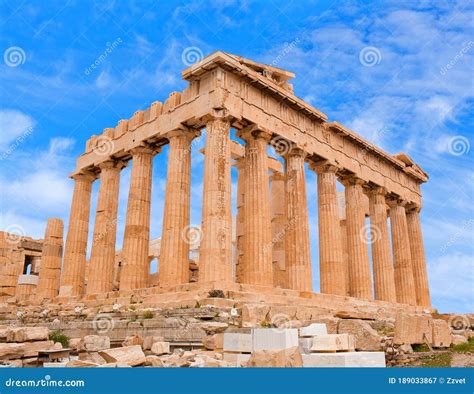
<point x="414" y="94"/>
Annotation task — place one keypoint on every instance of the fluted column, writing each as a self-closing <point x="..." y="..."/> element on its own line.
<point x="403" y="271"/>
<point x="135" y="264"/>
<point x="417" y="249"/>
<point x="360" y="283"/>
<point x="101" y="266"/>
<point x="331" y="261"/>
<point x="51" y="255"/>
<point x="239" y="256"/>
<point x="382" y="267"/>
<point x="257" y="221"/>
<point x="74" y="265"/>
<point x="278" y="213"/>
<point x="215" y="260"/>
<point x="297" y="252"/>
<point x="174" y="253"/>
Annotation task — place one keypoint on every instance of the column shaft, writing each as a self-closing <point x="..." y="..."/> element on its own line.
<point x="135" y="265"/>
<point x="403" y="271"/>
<point x="297" y="252"/>
<point x="360" y="284"/>
<point x="418" y="258"/>
<point x="382" y="267"/>
<point x="51" y="255"/>
<point x="257" y="222"/>
<point x="331" y="261"/>
<point x="239" y="256"/>
<point x="174" y="253"/>
<point x="215" y="261"/>
<point x="74" y="266"/>
<point x="279" y="221"/>
<point x="101" y="266"/>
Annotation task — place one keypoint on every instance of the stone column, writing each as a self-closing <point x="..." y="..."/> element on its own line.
<point x="417" y="249"/>
<point x="345" y="255"/>
<point x="382" y="267"/>
<point x="239" y="256"/>
<point x="135" y="264"/>
<point x="360" y="284"/>
<point x="257" y="221"/>
<point x="74" y="265"/>
<point x="101" y="265"/>
<point x="215" y="260"/>
<point x="278" y="213"/>
<point x="297" y="252"/>
<point x="331" y="260"/>
<point x="174" y="252"/>
<point x="403" y="271"/>
<point x="51" y="256"/>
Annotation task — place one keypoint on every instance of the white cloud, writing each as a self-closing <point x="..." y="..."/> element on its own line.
<point x="13" y="124"/>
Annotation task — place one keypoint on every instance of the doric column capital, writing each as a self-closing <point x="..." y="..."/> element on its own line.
<point x="145" y="150"/>
<point x="83" y="175"/>
<point x="183" y="131"/>
<point x="351" y="180"/>
<point x="109" y="164"/>
<point x="255" y="132"/>
<point x="373" y="191"/>
<point x="323" y="167"/>
<point x="295" y="151"/>
<point x="396" y="202"/>
<point x="413" y="207"/>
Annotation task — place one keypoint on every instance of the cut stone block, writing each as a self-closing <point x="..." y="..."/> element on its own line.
<point x="237" y="342"/>
<point x="274" y="338"/>
<point x="313" y="330"/>
<point x="441" y="333"/>
<point x="413" y="329"/>
<point x="305" y="345"/>
<point x="236" y="359"/>
<point x="350" y="359"/>
<point x="55" y="365"/>
<point x="333" y="343"/>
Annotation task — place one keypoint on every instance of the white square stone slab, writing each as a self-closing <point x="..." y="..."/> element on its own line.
<point x="350" y="359"/>
<point x="274" y="338"/>
<point x="313" y="330"/>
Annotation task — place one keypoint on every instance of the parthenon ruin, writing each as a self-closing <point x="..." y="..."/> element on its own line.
<point x="268" y="248"/>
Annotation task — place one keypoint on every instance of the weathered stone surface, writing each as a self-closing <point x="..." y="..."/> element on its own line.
<point x="26" y="334"/>
<point x="154" y="361"/>
<point x="254" y="314"/>
<point x="236" y="359"/>
<point x="159" y="348"/>
<point x="285" y="358"/>
<point x="333" y="343"/>
<point x="81" y="364"/>
<point x="458" y="339"/>
<point x="213" y="327"/>
<point x="413" y="329"/>
<point x="131" y="355"/>
<point x="75" y="343"/>
<point x="366" y="338"/>
<point x="95" y="343"/>
<point x="274" y="338"/>
<point x="441" y="333"/>
<point x="213" y="342"/>
<point x="150" y="340"/>
<point x="237" y="342"/>
<point x="313" y="329"/>
<point x="350" y="359"/>
<point x="13" y="350"/>
<point x="133" y="340"/>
